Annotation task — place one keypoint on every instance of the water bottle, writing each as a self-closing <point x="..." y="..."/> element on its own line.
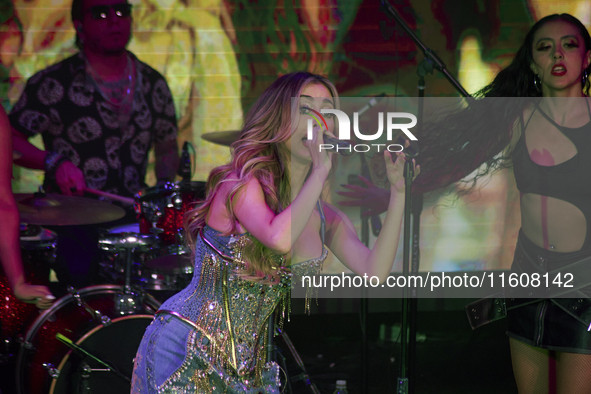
<point x="341" y="387"/>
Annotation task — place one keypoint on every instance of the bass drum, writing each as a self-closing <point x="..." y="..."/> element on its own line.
<point x="47" y="365"/>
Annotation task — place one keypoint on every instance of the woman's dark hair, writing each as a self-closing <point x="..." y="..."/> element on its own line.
<point x="476" y="134"/>
<point x="517" y="80"/>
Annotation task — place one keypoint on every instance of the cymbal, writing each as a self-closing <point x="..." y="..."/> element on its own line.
<point x="59" y="210"/>
<point x="225" y="138"/>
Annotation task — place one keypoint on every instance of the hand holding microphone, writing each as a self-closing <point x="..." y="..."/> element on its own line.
<point x="317" y="147"/>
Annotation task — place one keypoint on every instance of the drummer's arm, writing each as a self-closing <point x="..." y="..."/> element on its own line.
<point x="31" y="156"/>
<point x="10" y="254"/>
<point x="9" y="241"/>
<point x="69" y="178"/>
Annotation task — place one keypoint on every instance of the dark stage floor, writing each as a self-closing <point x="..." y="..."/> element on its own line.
<point x="451" y="358"/>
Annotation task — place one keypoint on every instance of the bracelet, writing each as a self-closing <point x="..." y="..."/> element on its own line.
<point x="52" y="161"/>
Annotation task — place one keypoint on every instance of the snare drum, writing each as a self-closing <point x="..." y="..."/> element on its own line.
<point x="169" y="274"/>
<point x="161" y="211"/>
<point x="112" y="242"/>
<point x="46" y="365"/>
<point x="38" y="254"/>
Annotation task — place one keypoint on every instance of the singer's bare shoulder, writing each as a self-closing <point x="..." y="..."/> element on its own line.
<point x="249" y="197"/>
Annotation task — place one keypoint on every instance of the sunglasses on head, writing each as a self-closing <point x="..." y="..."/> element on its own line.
<point x="122" y="10"/>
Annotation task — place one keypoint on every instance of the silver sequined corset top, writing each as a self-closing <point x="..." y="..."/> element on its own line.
<point x="230" y="312"/>
<point x="310" y="267"/>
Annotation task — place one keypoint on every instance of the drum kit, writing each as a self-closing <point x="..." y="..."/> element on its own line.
<point x="87" y="340"/>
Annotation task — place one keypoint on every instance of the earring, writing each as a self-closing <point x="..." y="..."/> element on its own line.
<point x="585" y="77"/>
<point x="537" y="83"/>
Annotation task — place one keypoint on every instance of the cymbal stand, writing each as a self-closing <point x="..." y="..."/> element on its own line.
<point x="129" y="301"/>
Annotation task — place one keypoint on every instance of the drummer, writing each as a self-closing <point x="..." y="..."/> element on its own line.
<point x="10" y="253"/>
<point x="99" y="112"/>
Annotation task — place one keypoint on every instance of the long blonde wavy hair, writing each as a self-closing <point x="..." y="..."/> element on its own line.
<point x="259" y="152"/>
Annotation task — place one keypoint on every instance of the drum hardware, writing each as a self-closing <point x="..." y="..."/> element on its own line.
<point x="161" y="211"/>
<point x="113" y="267"/>
<point x="128" y="301"/>
<point x="96" y="314"/>
<point x="6" y="354"/>
<point x="185" y="170"/>
<point x="51" y="370"/>
<point x="48" y="366"/>
<point x="126" y="244"/>
<point x="156" y="230"/>
<point x="161" y="261"/>
<point x="84" y="386"/>
<point x="180" y="234"/>
<point x="25" y="345"/>
<point x="84" y="367"/>
<point x="176" y="200"/>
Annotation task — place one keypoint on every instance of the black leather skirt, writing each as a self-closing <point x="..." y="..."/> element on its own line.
<point x="559" y="324"/>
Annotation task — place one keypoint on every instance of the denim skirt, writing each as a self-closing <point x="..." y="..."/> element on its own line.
<point x="169" y="360"/>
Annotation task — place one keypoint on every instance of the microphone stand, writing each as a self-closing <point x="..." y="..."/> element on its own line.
<point x="376" y="227"/>
<point x="363" y="302"/>
<point x="413" y="206"/>
<point x="430" y="56"/>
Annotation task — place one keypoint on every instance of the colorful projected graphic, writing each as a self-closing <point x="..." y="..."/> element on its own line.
<point x="219" y="55"/>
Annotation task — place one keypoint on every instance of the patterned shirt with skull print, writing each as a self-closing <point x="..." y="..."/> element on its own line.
<point x="65" y="105"/>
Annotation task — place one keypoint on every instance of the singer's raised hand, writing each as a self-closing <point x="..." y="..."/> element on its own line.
<point x="320" y="158"/>
<point x="395" y="170"/>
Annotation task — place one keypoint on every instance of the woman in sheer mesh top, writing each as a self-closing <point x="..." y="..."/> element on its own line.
<point x="538" y="114"/>
<point x="261" y="222"/>
<point x="550" y="150"/>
